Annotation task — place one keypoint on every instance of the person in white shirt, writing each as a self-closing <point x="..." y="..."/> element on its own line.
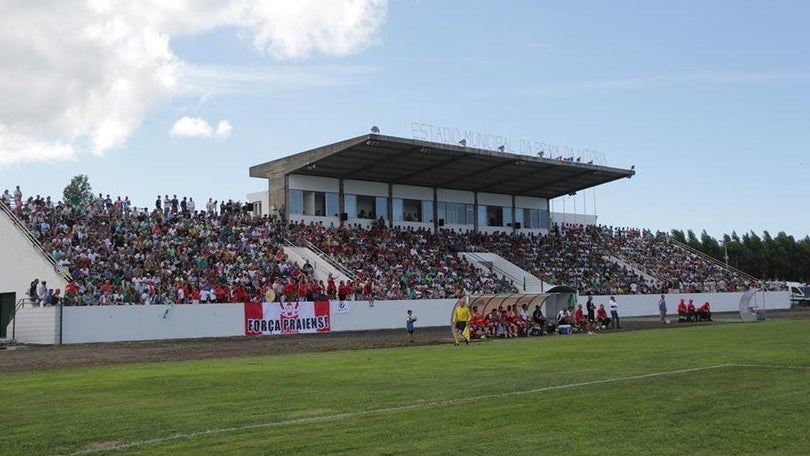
<point x="614" y="313"/>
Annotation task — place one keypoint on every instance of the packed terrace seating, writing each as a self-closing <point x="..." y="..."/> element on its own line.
<point x="580" y="256"/>
<point x="120" y="254"/>
<point x="405" y="264"/>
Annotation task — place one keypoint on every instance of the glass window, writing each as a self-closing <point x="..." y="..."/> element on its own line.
<point x="296" y="202"/>
<point x="396" y="206"/>
<point x="534" y="218"/>
<point x="412" y="210"/>
<point x="381" y="207"/>
<point x="350" y="205"/>
<point x="519" y="217"/>
<point x="507" y="216"/>
<point x="427" y="211"/>
<point x="452" y="214"/>
<point x="314" y="203"/>
<point x="365" y="206"/>
<point x="482" y="216"/>
<point x="543" y="222"/>
<point x="332" y="206"/>
<point x="469" y="209"/>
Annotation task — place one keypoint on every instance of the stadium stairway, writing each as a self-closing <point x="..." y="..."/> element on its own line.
<point x="637" y="269"/>
<point x="321" y="266"/>
<point x="521" y="278"/>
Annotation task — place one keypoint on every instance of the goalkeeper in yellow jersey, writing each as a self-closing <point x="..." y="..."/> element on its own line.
<point x="461" y="320"/>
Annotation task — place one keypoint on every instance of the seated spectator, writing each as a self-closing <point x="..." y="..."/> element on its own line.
<point x="511" y="319"/>
<point x="704" y="312"/>
<point x="602" y="319"/>
<point x="683" y="314"/>
<point x="539" y="321"/>
<point x="581" y="322"/>
<point x="691" y="312"/>
<point x="33" y="295"/>
<point x="564" y="317"/>
<point x="524" y="320"/>
<point x="56" y="297"/>
<point x="477" y="324"/>
<point x="497" y="327"/>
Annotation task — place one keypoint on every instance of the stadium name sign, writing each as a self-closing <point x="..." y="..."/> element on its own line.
<point x="450" y="135"/>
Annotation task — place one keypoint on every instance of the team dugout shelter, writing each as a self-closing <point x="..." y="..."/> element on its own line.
<point x="414" y="183"/>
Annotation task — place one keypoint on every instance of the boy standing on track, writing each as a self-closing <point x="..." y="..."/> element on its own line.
<point x="409" y="320"/>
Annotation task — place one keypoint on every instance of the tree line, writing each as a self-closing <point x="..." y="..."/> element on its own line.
<point x="765" y="257"/>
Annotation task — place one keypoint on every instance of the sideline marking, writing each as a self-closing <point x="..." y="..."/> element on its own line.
<point x="438" y="403"/>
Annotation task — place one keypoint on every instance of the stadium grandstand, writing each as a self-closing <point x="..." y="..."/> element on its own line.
<point x="370" y="218"/>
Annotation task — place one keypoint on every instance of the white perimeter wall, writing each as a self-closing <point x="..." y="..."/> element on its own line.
<point x="35" y="325"/>
<point x="643" y="305"/>
<point x="119" y="323"/>
<point x="191" y="321"/>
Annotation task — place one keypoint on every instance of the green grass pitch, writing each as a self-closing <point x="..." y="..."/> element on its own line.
<point x="721" y="389"/>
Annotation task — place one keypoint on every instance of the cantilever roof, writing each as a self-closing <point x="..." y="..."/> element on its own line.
<point x="380" y="158"/>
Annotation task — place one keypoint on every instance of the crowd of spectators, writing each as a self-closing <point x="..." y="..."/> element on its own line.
<point x="176" y="252"/>
<point x="118" y="254"/>
<point x="404" y="263"/>
<point x="606" y="260"/>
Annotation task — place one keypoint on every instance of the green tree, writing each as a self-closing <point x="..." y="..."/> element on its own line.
<point x="78" y="193"/>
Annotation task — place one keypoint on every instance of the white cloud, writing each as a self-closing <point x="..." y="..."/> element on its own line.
<point x="224" y="129"/>
<point x="191" y="127"/>
<point x="80" y="77"/>
<point x="29" y="149"/>
<point x="195" y="127"/>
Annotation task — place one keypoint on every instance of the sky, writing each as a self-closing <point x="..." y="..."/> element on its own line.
<point x="708" y="100"/>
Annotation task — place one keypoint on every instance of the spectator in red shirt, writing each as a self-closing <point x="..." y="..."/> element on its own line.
<point x="683" y="313"/>
<point x="331" y="288"/>
<point x="343" y="290"/>
<point x="704" y="312"/>
<point x="602" y="317"/>
<point x="368" y="292"/>
<point x="580" y="321"/>
<point x="691" y="312"/>
<point x="291" y="291"/>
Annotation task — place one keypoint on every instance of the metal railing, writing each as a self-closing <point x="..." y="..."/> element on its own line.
<point x="13" y="317"/>
<point x="712" y="259"/>
<point x="492" y="267"/>
<point x="20" y="225"/>
<point x="323" y="256"/>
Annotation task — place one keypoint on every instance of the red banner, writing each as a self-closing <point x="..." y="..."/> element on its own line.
<point x="287" y="318"/>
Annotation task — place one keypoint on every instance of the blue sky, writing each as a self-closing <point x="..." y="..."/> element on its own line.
<point x="709" y="100"/>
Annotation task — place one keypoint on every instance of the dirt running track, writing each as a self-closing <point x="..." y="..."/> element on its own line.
<point x="32" y="358"/>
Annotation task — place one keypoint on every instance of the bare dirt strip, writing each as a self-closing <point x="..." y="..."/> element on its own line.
<point x="32" y="357"/>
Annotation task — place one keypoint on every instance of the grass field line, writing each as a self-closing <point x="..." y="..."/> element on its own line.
<point x="414" y="406"/>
